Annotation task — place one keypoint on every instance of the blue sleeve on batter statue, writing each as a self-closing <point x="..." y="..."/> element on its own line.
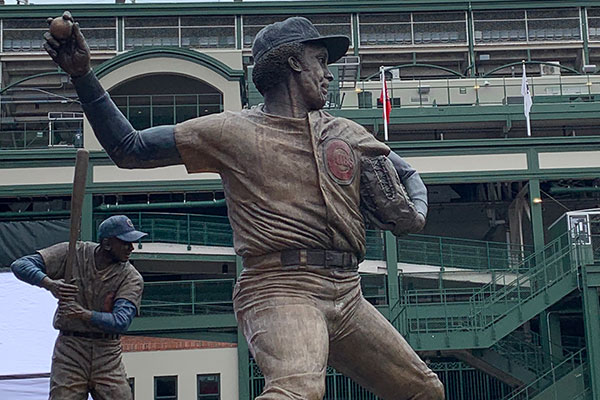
<point x="128" y="148"/>
<point x="412" y="182"/>
<point x="30" y="269"/>
<point x="118" y="320"/>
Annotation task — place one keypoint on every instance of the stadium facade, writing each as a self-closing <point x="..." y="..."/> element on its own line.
<point x="499" y="293"/>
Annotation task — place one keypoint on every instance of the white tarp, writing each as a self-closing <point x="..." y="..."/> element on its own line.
<point x="26" y="338"/>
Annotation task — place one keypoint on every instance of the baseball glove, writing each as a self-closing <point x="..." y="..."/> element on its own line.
<point x="384" y="202"/>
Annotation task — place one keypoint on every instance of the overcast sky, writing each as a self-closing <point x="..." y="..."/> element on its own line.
<point x="41" y="2"/>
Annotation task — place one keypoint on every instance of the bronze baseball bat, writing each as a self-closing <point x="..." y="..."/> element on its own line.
<point x="79" y="178"/>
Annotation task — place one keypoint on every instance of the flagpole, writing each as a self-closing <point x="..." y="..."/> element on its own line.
<point x="384" y="102"/>
<point x="526" y="99"/>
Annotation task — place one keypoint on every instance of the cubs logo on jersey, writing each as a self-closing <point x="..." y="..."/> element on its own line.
<point x="340" y="161"/>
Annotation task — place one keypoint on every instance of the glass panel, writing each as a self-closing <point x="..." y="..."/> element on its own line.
<point x="326" y="24"/>
<point x="152" y="21"/>
<point x="384" y="18"/>
<point x="213" y="20"/>
<point x="499" y="15"/>
<point x="208" y="387"/>
<point x="207" y="37"/>
<point x="500" y="31"/>
<point x="594" y="24"/>
<point x="559" y="29"/>
<point x="593" y="12"/>
<point x="144" y="37"/>
<point x="165" y="388"/>
<point x="557" y="13"/>
<point x="439" y="17"/>
<point x="429" y="33"/>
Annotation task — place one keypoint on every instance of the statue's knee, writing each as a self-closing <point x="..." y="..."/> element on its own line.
<point x="436" y="391"/>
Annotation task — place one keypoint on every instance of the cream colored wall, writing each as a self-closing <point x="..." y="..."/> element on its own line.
<point x="570" y="159"/>
<point x="186" y="364"/>
<point x="161" y="65"/>
<point x="469" y="163"/>
<point x="232" y="58"/>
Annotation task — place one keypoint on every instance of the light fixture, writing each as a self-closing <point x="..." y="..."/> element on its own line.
<point x="476" y="87"/>
<point x="358" y="90"/>
<point x="537" y="200"/>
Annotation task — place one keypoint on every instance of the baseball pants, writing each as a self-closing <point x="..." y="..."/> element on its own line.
<point x="81" y="366"/>
<point x="299" y="320"/>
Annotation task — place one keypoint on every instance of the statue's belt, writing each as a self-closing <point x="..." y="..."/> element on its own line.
<point x="91" y="335"/>
<point x="316" y="258"/>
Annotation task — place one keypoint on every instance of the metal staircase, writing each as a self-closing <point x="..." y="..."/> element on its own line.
<point x="497" y="308"/>
<point x="565" y="380"/>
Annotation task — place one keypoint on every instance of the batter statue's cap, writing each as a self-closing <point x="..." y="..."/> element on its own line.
<point x="121" y="227"/>
<point x="297" y="29"/>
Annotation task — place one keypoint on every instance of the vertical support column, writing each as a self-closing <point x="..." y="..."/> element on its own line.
<point x="242" y="351"/>
<point x="120" y="34"/>
<point x="591" y="311"/>
<point x="584" y="35"/>
<point x="355" y="34"/>
<point x="472" y="66"/>
<point x="239" y="35"/>
<point x="391" y="261"/>
<point x="551" y="335"/>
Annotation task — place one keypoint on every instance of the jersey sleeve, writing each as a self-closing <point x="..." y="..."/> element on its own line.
<point x="199" y="142"/>
<point x="55" y="258"/>
<point x="367" y="144"/>
<point x="131" y="288"/>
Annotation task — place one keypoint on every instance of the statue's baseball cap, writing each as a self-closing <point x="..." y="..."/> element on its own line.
<point x="297" y="29"/>
<point x="121" y="227"/>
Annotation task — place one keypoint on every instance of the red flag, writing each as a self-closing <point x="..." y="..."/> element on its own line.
<point x="386" y="103"/>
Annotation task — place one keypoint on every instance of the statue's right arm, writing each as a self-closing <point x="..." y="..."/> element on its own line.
<point x="30" y="269"/>
<point x="127" y="147"/>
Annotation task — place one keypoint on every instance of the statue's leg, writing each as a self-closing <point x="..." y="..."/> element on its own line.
<point x="108" y="378"/>
<point x="70" y="369"/>
<point x="289" y="343"/>
<point x="368" y="349"/>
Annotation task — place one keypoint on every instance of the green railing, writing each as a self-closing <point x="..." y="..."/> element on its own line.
<point x="186" y="229"/>
<point x="528" y="354"/>
<point x="474" y="384"/>
<point x="551" y="377"/>
<point x="490" y="303"/>
<point x="213" y="296"/>
<point x="208" y="230"/>
<point x="544" y="269"/>
<point x="210" y="296"/>
<point x="461" y="91"/>
<point x="460" y="253"/>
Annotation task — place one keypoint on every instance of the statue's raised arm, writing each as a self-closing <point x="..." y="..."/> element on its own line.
<point x="127" y="147"/>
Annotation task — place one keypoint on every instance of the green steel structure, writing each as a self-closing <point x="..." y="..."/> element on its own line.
<point x="498" y="294"/>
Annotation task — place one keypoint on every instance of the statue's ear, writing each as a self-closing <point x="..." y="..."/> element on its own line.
<point x="294" y="64"/>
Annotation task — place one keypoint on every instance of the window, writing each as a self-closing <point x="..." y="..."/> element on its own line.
<point x="209" y="387"/>
<point x="131" y="382"/>
<point x="165" y="388"/>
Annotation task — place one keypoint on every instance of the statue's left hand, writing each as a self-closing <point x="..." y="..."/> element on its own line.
<point x="71" y="54"/>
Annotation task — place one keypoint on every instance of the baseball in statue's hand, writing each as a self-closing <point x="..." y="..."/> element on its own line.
<point x="62" y="27"/>
<point x="66" y="45"/>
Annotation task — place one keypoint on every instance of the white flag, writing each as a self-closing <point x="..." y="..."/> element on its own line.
<point x="526" y="99"/>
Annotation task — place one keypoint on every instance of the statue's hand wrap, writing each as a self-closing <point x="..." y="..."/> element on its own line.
<point x="384" y="202"/>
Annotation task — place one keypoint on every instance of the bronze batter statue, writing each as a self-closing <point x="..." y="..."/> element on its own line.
<point x="92" y="312"/>
<point x="291" y="177"/>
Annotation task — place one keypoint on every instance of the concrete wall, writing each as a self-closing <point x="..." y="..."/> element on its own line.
<point x="186" y="364"/>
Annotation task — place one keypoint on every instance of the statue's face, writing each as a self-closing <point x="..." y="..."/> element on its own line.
<point x="118" y="249"/>
<point x="315" y="76"/>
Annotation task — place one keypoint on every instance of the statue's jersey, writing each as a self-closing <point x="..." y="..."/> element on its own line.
<point x="290" y="183"/>
<point x="98" y="289"/>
